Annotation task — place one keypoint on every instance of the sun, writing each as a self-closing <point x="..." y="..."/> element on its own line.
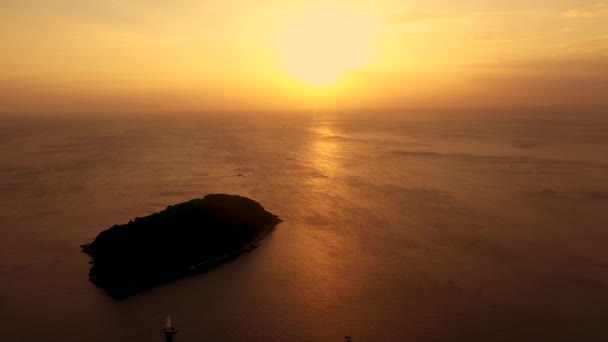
<point x="317" y="47"/>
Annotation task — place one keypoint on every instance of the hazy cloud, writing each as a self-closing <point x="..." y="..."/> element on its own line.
<point x="599" y="10"/>
<point x="576" y="80"/>
<point x="496" y="39"/>
<point x="593" y="45"/>
<point x="403" y="18"/>
<point x="565" y="80"/>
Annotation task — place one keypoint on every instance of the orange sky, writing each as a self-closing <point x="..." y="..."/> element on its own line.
<point x="187" y="55"/>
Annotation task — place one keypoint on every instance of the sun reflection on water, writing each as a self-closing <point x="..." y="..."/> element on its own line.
<point x="322" y="238"/>
<point x="324" y="152"/>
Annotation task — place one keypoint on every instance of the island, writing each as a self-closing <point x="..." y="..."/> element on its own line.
<point x="184" y="239"/>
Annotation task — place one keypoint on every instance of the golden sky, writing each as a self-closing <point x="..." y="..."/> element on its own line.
<point x="196" y="55"/>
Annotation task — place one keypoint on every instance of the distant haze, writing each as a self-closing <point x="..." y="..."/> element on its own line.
<point x="110" y="56"/>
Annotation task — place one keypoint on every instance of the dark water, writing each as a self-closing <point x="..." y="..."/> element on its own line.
<point x="411" y="228"/>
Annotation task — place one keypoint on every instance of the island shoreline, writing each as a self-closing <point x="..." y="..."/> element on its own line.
<point x="129" y="285"/>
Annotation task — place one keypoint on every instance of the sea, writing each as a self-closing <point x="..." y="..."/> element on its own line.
<point x="397" y="225"/>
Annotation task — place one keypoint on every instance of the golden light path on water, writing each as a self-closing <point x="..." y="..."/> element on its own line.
<point x="323" y="152"/>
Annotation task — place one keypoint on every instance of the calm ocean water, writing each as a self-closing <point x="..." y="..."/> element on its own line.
<point x="403" y="228"/>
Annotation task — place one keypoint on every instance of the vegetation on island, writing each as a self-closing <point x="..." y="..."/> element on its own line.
<point x="183" y="239"/>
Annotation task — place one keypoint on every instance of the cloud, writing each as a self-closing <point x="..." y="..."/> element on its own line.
<point x="558" y="82"/>
<point x="576" y="80"/>
<point x="593" y="45"/>
<point x="599" y="10"/>
<point x="496" y="39"/>
<point x="404" y="18"/>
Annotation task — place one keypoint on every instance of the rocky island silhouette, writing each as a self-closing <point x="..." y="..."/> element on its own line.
<point x="184" y="239"/>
